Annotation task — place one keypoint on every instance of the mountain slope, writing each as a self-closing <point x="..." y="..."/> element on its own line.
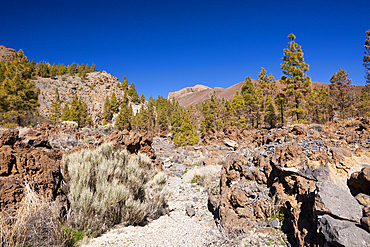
<point x="198" y="94"/>
<point x="92" y="91"/>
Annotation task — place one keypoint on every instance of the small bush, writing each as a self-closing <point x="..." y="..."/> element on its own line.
<point x="195" y="179"/>
<point x="108" y="187"/>
<point x="35" y="223"/>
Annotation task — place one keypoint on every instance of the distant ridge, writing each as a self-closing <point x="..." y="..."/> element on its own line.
<point x="196" y="95"/>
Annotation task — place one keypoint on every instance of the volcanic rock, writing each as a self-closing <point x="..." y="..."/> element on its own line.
<point x="21" y="162"/>
<point x="342" y="232"/>
<point x="331" y="199"/>
<point x="360" y="181"/>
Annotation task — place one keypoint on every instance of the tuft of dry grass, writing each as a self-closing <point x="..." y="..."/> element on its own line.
<point x="35" y="223"/>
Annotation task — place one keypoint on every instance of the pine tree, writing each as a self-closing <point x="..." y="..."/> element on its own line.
<point x="341" y="91"/>
<point x="65" y="113"/>
<point x="176" y="117"/>
<point x="124" y="118"/>
<point x="82" y="73"/>
<point x="187" y="135"/>
<point x="107" y="113"/>
<point x="364" y="103"/>
<point x="163" y="122"/>
<point x="53" y="71"/>
<point x="151" y="115"/>
<point x="280" y="102"/>
<point x="270" y="117"/>
<point x="74" y="109"/>
<point x="237" y="106"/>
<point x="114" y="103"/>
<point x="93" y="67"/>
<point x="208" y="110"/>
<point x="266" y="84"/>
<point x="84" y="119"/>
<point x="142" y="99"/>
<point x="366" y="58"/>
<point x="163" y="119"/>
<point x="133" y="94"/>
<point x="124" y="83"/>
<point x="2" y="71"/>
<point x="228" y="113"/>
<point x="18" y="97"/>
<point x="62" y="69"/>
<point x="318" y="104"/>
<point x="55" y="107"/>
<point x="253" y="101"/>
<point x="72" y="69"/>
<point x="43" y="69"/>
<point x="297" y="83"/>
<point x="142" y="119"/>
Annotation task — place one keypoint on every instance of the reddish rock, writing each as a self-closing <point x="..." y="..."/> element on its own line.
<point x="360" y="181"/>
<point x="21" y="162"/>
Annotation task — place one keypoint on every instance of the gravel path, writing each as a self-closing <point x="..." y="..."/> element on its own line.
<point x="174" y="229"/>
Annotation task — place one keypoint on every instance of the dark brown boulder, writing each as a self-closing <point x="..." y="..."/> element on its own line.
<point x="360" y="181"/>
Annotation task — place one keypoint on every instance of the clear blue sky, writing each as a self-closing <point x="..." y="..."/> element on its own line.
<point x="163" y="46"/>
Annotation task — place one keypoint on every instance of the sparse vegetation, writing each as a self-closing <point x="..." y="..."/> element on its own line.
<point x="36" y="223"/>
<point x="114" y="186"/>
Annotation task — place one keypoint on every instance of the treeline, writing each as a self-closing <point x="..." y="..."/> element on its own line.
<point x="46" y="70"/>
<point x="160" y="117"/>
<point x="263" y="104"/>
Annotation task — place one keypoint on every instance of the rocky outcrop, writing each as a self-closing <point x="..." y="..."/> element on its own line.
<point x="244" y="198"/>
<point x="6" y="54"/>
<point x="311" y="173"/>
<point x="92" y="90"/>
<point x="27" y="159"/>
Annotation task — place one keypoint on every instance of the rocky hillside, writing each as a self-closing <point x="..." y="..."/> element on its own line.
<point x="195" y="95"/>
<point x="6" y="53"/>
<point x="93" y="90"/>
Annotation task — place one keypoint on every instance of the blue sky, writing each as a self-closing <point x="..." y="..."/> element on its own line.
<point x="163" y="46"/>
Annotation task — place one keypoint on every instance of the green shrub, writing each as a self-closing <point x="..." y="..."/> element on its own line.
<point x="107" y="187"/>
<point x="195" y="179"/>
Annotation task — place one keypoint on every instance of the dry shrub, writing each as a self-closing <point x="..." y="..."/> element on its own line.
<point x="35" y="223"/>
<point x="107" y="187"/>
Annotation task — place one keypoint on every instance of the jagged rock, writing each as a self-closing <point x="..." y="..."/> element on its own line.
<point x="363" y="199"/>
<point x="331" y="199"/>
<point x="316" y="127"/>
<point x="360" y="181"/>
<point x="342" y="157"/>
<point x="242" y="201"/>
<point x="342" y="232"/>
<point x="92" y="90"/>
<point x="9" y="137"/>
<point x="231" y="143"/>
<point x="289" y="155"/>
<point x="365" y="220"/>
<point x="20" y="161"/>
<point x="6" y="54"/>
